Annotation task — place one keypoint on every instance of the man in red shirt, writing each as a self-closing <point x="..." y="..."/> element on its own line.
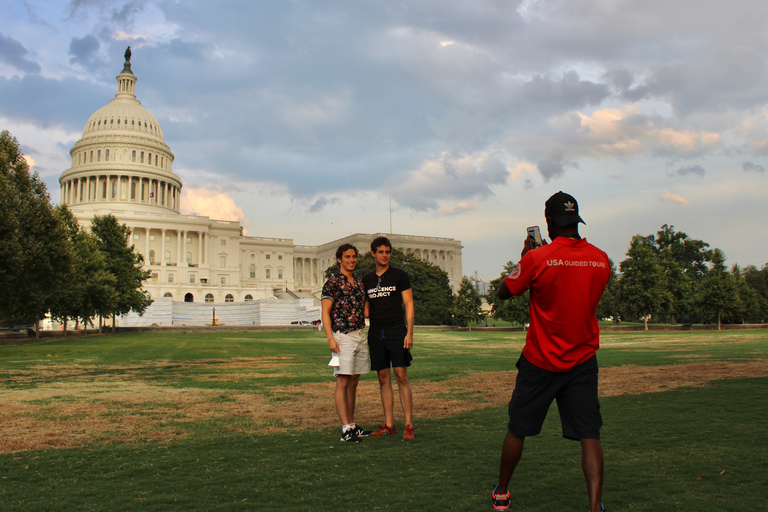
<point x="566" y="279"/>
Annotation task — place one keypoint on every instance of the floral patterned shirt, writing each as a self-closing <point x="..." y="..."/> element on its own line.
<point x="348" y="310"/>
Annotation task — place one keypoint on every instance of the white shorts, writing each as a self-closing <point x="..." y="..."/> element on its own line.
<point x="353" y="353"/>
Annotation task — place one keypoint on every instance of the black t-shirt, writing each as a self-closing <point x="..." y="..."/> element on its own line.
<point x="384" y="294"/>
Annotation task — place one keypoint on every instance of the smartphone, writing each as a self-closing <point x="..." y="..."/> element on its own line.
<point x="535" y="234"/>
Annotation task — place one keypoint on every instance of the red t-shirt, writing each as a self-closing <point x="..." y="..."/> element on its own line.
<point x="566" y="279"/>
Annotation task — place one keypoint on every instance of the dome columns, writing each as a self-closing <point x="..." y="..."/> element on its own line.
<point x="121" y="188"/>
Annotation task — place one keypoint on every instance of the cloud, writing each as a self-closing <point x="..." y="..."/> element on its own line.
<point x="750" y="167"/>
<point x="84" y="52"/>
<point x="15" y="55"/>
<point x="321" y="203"/>
<point x="447" y="210"/>
<point x="674" y="198"/>
<point x="690" y="169"/>
<point x="211" y="203"/>
<point x="450" y="177"/>
<point x="30" y="161"/>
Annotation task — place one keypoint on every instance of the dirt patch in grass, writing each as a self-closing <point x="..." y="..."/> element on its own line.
<point x="117" y="407"/>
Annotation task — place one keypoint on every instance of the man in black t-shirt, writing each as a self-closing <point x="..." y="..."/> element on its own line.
<point x="390" y="335"/>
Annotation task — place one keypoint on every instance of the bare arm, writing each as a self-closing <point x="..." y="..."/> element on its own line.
<point x="326" y="316"/>
<point x="409" y="317"/>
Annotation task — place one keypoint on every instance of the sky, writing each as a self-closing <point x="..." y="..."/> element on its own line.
<point x="447" y="118"/>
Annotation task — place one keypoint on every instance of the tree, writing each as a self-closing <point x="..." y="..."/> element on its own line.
<point x="718" y="291"/>
<point x="34" y="253"/>
<point x="684" y="263"/>
<point x="641" y="289"/>
<point x="467" y="305"/>
<point x="610" y="303"/>
<point x="514" y="309"/>
<point x="752" y="305"/>
<point x="122" y="262"/>
<point x="432" y="296"/>
<point x="88" y="288"/>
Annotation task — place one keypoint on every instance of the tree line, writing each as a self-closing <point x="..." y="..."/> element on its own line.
<point x="50" y="265"/>
<point x="668" y="278"/>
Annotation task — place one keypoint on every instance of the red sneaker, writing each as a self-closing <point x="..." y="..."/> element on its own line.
<point x="384" y="430"/>
<point x="408" y="436"/>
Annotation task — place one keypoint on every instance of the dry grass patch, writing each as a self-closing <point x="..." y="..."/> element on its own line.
<point x="114" y="408"/>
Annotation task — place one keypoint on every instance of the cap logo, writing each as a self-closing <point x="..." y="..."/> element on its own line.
<point x="570" y="206"/>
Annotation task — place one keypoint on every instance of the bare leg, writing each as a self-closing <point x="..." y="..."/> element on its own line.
<point x="406" y="395"/>
<point x="352" y="396"/>
<point x="387" y="396"/>
<point x="342" y="386"/>
<point x="511" y="451"/>
<point x="592" y="464"/>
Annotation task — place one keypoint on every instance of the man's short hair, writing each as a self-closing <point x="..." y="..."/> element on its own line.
<point x="344" y="248"/>
<point x="379" y="241"/>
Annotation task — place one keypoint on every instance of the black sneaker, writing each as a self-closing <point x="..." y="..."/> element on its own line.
<point x="350" y="436"/>
<point x="362" y="433"/>
<point x="500" y="501"/>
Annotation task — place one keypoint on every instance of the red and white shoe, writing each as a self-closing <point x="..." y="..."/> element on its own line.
<point x="384" y="430"/>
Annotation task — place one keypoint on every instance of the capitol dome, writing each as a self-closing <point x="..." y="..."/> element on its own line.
<point x="122" y="157"/>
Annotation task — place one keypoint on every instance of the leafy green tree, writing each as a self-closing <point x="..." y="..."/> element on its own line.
<point x="642" y="290"/>
<point x="34" y="253"/>
<point x="752" y="306"/>
<point x="718" y="292"/>
<point x="513" y="310"/>
<point x="467" y="305"/>
<point x="610" y="303"/>
<point x="88" y="288"/>
<point x="432" y="296"/>
<point x="684" y="263"/>
<point x="122" y="262"/>
<point x="757" y="279"/>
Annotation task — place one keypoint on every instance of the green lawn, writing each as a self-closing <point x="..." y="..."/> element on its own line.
<point x="687" y="449"/>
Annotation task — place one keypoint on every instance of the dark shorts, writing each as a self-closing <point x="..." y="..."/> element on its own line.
<point x="385" y="346"/>
<point x="575" y="392"/>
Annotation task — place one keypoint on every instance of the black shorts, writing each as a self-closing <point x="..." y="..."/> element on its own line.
<point x="385" y="346"/>
<point x="574" y="390"/>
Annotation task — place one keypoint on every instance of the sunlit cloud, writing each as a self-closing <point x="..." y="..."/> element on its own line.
<point x="674" y="198"/>
<point x="213" y="204"/>
<point x="30" y="161"/>
<point x="455" y="209"/>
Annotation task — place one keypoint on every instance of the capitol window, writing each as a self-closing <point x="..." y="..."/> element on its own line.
<point x="168" y="295"/>
<point x="279" y="274"/>
<point x="191" y="278"/>
<point x="208" y="297"/>
<point x="267" y="273"/>
<point x="229" y="298"/>
<point x="223" y="261"/>
<point x="133" y="154"/>
<point x="248" y="298"/>
<point x="252" y="271"/>
<point x="170" y="278"/>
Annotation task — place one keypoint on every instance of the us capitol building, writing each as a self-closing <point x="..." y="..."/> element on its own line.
<point x="123" y="166"/>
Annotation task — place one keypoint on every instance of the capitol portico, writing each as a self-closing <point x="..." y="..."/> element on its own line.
<point x="122" y="165"/>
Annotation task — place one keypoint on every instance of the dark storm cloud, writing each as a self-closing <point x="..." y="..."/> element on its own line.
<point x="15" y="55"/>
<point x="750" y="167"/>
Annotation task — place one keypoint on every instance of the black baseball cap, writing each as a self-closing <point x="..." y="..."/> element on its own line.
<point x="563" y="209"/>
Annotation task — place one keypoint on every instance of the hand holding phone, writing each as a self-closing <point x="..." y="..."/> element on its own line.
<point x="534" y="235"/>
